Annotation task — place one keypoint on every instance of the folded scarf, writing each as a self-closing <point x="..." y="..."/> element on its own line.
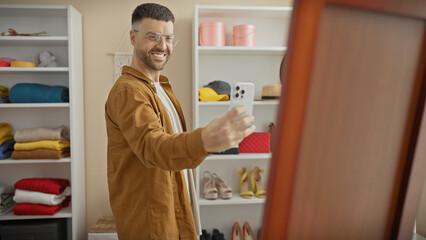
<point x="41" y="154"/>
<point x="4" y="91"/>
<point x="45" y="185"/>
<point x="5" y="132"/>
<point x="6" y="204"/>
<point x="39" y="209"/>
<point x="47" y="144"/>
<point x="6" y="200"/>
<point x="6" y="149"/>
<point x="25" y="196"/>
<point x="41" y="133"/>
<point x="38" y="93"/>
<point x="4" y="189"/>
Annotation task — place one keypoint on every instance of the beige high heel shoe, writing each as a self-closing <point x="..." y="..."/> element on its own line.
<point x="225" y="191"/>
<point x="209" y="191"/>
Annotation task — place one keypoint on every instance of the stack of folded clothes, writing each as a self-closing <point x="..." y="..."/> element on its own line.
<point x="4" y="94"/>
<point x="42" y="143"/>
<point x="6" y="140"/>
<point x="6" y="199"/>
<point x="41" y="196"/>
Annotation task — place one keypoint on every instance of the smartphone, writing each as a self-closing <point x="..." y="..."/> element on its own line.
<point x="242" y="93"/>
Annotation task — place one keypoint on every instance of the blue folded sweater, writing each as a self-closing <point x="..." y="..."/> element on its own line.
<point x="7" y="148"/>
<point x="38" y="93"/>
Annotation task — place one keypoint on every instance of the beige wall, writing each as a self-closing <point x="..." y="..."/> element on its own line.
<point x="104" y="25"/>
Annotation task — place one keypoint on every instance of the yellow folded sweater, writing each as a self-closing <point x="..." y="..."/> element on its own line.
<point x="4" y="91"/>
<point x="5" y="132"/>
<point x="47" y="144"/>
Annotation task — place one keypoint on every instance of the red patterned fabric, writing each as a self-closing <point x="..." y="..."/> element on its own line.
<point x="45" y="185"/>
<point x="257" y="142"/>
<point x="39" y="209"/>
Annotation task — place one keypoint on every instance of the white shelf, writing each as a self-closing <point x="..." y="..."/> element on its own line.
<point x="207" y="11"/>
<point x="33" y="69"/>
<point x="34" y="105"/>
<point x="240" y="156"/>
<point x="26" y="161"/>
<point x="226" y="103"/>
<point x="242" y="50"/>
<point x="236" y="199"/>
<point x="33" y="40"/>
<point x="64" y="213"/>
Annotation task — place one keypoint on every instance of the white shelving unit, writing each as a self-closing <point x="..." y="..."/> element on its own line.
<point x="63" y="25"/>
<point x="260" y="65"/>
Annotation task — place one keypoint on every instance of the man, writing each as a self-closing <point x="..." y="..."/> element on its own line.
<point x="148" y="145"/>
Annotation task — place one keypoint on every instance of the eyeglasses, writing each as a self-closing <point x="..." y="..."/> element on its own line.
<point x="157" y="37"/>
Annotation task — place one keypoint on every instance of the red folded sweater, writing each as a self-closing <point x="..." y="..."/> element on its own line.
<point x="45" y="185"/>
<point x="40" y="209"/>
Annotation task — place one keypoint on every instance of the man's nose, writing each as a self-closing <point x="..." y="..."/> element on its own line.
<point x="162" y="44"/>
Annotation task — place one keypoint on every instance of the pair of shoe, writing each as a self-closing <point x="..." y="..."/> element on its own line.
<point x="216" y="235"/>
<point x="245" y="234"/>
<point x="256" y="183"/>
<point x="214" y="186"/>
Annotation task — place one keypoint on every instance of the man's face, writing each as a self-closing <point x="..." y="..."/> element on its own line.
<point x="152" y="53"/>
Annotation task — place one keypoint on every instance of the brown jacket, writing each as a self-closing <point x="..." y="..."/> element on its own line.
<point x="147" y="190"/>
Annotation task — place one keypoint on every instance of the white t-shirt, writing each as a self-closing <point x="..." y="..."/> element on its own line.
<point x="177" y="128"/>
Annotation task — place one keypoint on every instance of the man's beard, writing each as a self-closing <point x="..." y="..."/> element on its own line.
<point x="145" y="58"/>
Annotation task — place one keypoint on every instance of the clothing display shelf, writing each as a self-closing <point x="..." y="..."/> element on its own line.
<point x="63" y="24"/>
<point x="258" y="64"/>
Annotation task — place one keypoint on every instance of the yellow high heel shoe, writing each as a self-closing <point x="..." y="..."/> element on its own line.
<point x="244" y="185"/>
<point x="256" y="183"/>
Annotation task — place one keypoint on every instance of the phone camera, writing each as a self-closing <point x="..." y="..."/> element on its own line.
<point x="238" y="88"/>
<point x="242" y="91"/>
<point x="237" y="95"/>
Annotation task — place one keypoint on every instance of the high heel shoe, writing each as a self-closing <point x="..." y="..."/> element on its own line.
<point x="244" y="185"/>
<point x="225" y="191"/>
<point x="247" y="232"/>
<point x="209" y="191"/>
<point x="256" y="183"/>
<point x="236" y="232"/>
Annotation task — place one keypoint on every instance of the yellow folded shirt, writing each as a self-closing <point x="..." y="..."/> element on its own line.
<point x="5" y="129"/>
<point x="47" y="144"/>
<point x="4" y="91"/>
<point x="6" y="138"/>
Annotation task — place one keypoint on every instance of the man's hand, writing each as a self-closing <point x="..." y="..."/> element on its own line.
<point x="226" y="131"/>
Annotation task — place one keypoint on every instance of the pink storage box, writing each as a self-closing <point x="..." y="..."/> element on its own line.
<point x="244" y="35"/>
<point x="212" y="34"/>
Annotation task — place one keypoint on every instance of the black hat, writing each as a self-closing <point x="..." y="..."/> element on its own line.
<point x="221" y="87"/>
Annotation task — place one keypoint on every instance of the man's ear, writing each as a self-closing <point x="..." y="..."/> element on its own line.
<point x="133" y="37"/>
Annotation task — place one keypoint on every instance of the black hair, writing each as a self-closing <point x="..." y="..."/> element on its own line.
<point x="154" y="11"/>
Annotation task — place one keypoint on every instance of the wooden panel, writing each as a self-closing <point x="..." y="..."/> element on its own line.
<point x="356" y="135"/>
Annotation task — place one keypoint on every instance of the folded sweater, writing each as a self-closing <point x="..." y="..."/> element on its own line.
<point x="4" y="91"/>
<point x="45" y="185"/>
<point x="38" y="93"/>
<point x="47" y="144"/>
<point x="39" y="209"/>
<point x="5" y="132"/>
<point x="41" y="133"/>
<point x="6" y="149"/>
<point x="25" y="196"/>
<point x="41" y="154"/>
